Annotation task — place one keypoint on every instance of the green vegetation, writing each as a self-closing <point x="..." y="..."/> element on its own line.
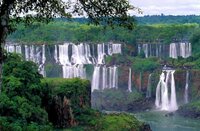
<point x="59" y="31"/>
<point x="168" y="19"/>
<point x="118" y="122"/>
<point x="142" y="65"/>
<point x="21" y="97"/>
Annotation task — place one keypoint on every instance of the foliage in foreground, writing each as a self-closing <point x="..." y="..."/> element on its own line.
<point x="21" y="97"/>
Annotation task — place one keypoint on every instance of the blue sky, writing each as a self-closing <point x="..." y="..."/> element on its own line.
<point x="167" y="7"/>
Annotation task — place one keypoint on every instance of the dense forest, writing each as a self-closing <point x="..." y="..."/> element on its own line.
<point x="56" y="32"/>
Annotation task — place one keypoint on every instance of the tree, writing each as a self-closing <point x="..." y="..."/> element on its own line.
<point x="110" y="12"/>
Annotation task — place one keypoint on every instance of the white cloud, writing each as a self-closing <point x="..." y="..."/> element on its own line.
<point x="167" y="7"/>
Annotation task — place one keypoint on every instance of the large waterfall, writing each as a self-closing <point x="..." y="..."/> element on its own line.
<point x="163" y="101"/>
<point x="162" y="50"/>
<point x="73" y="59"/>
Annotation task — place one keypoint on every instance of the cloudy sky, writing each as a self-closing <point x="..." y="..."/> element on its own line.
<point x="168" y="7"/>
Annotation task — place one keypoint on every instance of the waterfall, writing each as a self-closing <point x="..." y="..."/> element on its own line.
<point x="162" y="94"/>
<point x="129" y="81"/>
<point x="96" y="78"/>
<point x="148" y="93"/>
<point x="104" y="79"/>
<point x="113" y="77"/>
<point x="56" y="53"/>
<point x="73" y="59"/>
<point x="173" y="51"/>
<point x="186" y="99"/>
<point x="173" y="103"/>
<point x="116" y="49"/>
<point x="42" y="60"/>
<point x="145" y="48"/>
<point x="63" y="54"/>
<point x="180" y="49"/>
<point x="100" y="53"/>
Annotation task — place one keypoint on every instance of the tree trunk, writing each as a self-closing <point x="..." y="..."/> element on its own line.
<point x="4" y="23"/>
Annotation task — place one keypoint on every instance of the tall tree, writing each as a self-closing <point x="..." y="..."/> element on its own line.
<point x="110" y="12"/>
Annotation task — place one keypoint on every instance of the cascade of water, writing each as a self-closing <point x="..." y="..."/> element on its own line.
<point x="96" y="78"/>
<point x="110" y="77"/>
<point x="115" y="77"/>
<point x="186" y="88"/>
<point x="104" y="79"/>
<point x="56" y="53"/>
<point x="173" y="51"/>
<point x="180" y="49"/>
<point x="164" y="91"/>
<point x="63" y="54"/>
<point x="162" y="100"/>
<point x="100" y="53"/>
<point x="145" y="48"/>
<point x="148" y="93"/>
<point x="18" y="49"/>
<point x="72" y="58"/>
<point x="183" y="50"/>
<point x="116" y="49"/>
<point x="129" y="81"/>
<point x="88" y="54"/>
<point x="43" y="59"/>
<point x="76" y="57"/>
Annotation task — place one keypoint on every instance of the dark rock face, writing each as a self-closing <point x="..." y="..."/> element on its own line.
<point x="61" y="113"/>
<point x="140" y="105"/>
<point x="66" y="101"/>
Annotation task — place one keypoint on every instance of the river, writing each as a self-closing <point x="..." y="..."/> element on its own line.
<point x="159" y="122"/>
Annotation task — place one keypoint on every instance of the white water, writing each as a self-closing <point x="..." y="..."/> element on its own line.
<point x="96" y="79"/>
<point x="104" y="77"/>
<point x="73" y="59"/>
<point x="148" y="93"/>
<point x="183" y="49"/>
<point x="162" y="101"/>
<point x="180" y="49"/>
<point x="129" y="81"/>
<point x="173" y="51"/>
<point x="186" y="97"/>
<point x="145" y="48"/>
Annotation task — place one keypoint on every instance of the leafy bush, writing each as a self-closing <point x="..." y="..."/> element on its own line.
<point x="21" y="96"/>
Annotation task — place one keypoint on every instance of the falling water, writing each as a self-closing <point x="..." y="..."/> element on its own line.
<point x="173" y="103"/>
<point x="96" y="78"/>
<point x="129" y="81"/>
<point x="104" y="79"/>
<point x="180" y="49"/>
<point x="173" y="51"/>
<point x="148" y="93"/>
<point x="162" y="95"/>
<point x="73" y="59"/>
<point x="186" y="88"/>
<point x="145" y="48"/>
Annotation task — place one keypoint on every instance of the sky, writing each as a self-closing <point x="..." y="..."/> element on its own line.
<point x="167" y="7"/>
